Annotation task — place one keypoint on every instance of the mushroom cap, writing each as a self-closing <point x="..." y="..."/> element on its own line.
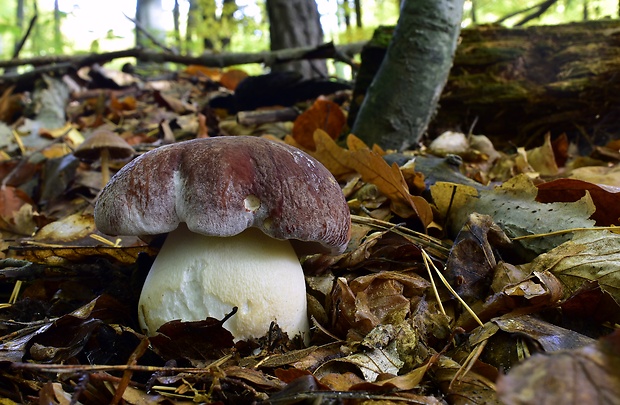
<point x="102" y="139"/>
<point x="224" y="185"/>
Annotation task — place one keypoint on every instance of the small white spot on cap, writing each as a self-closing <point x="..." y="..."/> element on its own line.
<point x="251" y="203"/>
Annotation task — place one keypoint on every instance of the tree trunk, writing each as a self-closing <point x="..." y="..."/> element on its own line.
<point x="517" y="84"/>
<point x="292" y="24"/>
<point x="57" y="31"/>
<point x="403" y="95"/>
<point x="19" y="22"/>
<point x="151" y="17"/>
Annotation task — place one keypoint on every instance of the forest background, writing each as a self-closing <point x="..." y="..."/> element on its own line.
<point x="238" y="26"/>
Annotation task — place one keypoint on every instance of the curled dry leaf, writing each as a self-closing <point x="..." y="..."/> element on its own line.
<point x="472" y="260"/>
<point x="468" y="388"/>
<point x="376" y="299"/>
<point x="550" y="337"/>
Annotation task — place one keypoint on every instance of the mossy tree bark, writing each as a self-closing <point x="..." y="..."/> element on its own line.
<point x="404" y="94"/>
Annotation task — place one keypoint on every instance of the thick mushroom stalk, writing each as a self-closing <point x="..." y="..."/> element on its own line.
<point x="197" y="276"/>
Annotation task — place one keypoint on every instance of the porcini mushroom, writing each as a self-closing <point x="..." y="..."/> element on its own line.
<point x="105" y="145"/>
<point x="239" y="210"/>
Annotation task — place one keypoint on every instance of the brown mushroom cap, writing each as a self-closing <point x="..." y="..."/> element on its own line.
<point x="222" y="186"/>
<point x="102" y="139"/>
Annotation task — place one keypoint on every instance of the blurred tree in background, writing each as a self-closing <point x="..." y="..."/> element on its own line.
<point x="196" y="26"/>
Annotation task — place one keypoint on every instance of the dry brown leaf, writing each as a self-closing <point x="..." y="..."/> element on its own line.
<point x="542" y="158"/>
<point x="373" y="169"/>
<point x="588" y="375"/>
<point x="197" y="70"/>
<point x="606" y="198"/>
<point x="12" y="200"/>
<point x="598" y="174"/>
<point x="324" y="115"/>
<point x="9" y="104"/>
<point x="458" y="388"/>
<point x="232" y="77"/>
<point x="375" y="299"/>
<point x="127" y="103"/>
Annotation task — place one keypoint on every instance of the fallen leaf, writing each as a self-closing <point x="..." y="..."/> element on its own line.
<point x="542" y="158"/>
<point x="588" y="375"/>
<point x="469" y="388"/>
<point x="514" y="208"/>
<point x="373" y="169"/>
<point x="598" y="174"/>
<point x="232" y="77"/>
<point x="324" y="115"/>
<point x="606" y="199"/>
<point x="471" y="262"/>
<point x="197" y="70"/>
<point x="589" y="256"/>
<point x="13" y="202"/>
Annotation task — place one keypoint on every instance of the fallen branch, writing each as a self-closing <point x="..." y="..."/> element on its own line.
<point x="62" y="64"/>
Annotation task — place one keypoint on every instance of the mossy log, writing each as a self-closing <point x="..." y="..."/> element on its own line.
<point x="518" y="84"/>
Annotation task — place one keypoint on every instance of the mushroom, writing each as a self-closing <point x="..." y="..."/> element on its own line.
<point x="105" y="145"/>
<point x="238" y="211"/>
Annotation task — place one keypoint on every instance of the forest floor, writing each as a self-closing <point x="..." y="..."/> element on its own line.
<point x="473" y="275"/>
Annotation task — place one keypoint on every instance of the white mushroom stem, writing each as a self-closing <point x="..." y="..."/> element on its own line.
<point x="196" y="276"/>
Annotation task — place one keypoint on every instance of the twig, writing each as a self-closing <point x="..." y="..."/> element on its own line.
<point x="150" y="36"/>
<point x="21" y="43"/>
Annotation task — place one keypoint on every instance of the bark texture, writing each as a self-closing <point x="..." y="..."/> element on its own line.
<point x="403" y="95"/>
<point x="150" y="15"/>
<point x="292" y="24"/>
<point x="518" y="84"/>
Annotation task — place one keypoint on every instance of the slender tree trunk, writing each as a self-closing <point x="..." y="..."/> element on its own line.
<point x="57" y="32"/>
<point x="404" y="94"/>
<point x="19" y="22"/>
<point x="358" y="13"/>
<point x="176" y="15"/>
<point x="151" y="16"/>
<point x="295" y="23"/>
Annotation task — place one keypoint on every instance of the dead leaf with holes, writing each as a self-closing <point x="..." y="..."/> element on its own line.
<point x="514" y="208"/>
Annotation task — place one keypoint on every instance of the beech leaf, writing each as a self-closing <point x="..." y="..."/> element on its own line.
<point x="373" y="169"/>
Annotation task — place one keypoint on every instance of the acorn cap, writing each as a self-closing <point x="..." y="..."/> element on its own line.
<point x="224" y="185"/>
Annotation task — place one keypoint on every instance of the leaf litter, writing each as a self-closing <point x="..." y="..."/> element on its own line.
<point x="528" y="311"/>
